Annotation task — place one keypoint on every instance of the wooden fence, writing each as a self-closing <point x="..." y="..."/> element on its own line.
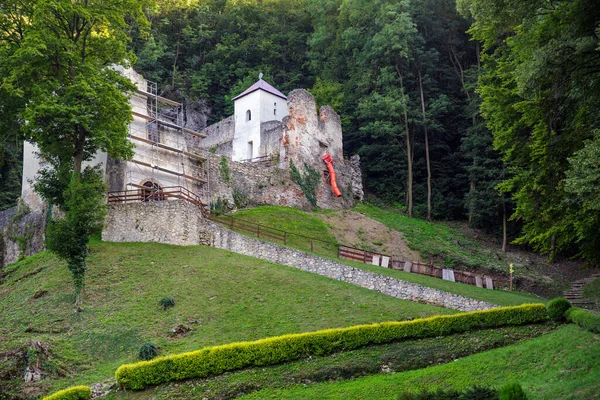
<point x="252" y="228"/>
<point x="144" y="194"/>
<point x="353" y="254"/>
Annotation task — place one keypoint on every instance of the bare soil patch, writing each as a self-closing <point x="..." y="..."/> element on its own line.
<point x="357" y="230"/>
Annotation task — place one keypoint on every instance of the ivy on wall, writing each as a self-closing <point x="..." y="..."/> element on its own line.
<point x="308" y="181"/>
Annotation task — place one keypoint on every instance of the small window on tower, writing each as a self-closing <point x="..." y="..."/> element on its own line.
<point x="248" y="115"/>
<point x="275" y="111"/>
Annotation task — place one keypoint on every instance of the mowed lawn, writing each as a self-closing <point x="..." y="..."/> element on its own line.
<point x="223" y="297"/>
<point x="564" y="364"/>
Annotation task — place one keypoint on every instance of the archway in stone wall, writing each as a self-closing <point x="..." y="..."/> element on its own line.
<point x="151" y="191"/>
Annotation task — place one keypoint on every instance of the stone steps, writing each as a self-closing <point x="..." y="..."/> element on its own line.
<point x="575" y="292"/>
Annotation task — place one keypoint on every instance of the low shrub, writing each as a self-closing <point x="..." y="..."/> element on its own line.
<point x="72" y="393"/>
<point x="557" y="308"/>
<point x="148" y="351"/>
<point x="167" y="302"/>
<point x="584" y="319"/>
<point x="472" y="393"/>
<point x="512" y="391"/>
<point x="479" y="393"/>
<point x="218" y="359"/>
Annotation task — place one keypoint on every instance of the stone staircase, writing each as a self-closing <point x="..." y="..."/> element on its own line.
<point x="575" y="292"/>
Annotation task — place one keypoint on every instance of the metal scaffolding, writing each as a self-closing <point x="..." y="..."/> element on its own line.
<point x="160" y="116"/>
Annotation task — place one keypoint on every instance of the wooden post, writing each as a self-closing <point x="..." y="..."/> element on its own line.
<point x="285" y="238"/>
<point x="258" y="231"/>
<point x="231" y="223"/>
<point x="312" y="247"/>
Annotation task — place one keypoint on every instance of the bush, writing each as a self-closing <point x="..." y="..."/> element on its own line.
<point x="584" y="319"/>
<point x="512" y="391"/>
<point x="148" y="351"/>
<point x="72" y="393"/>
<point x="479" y="393"/>
<point x="557" y="308"/>
<point x="440" y="394"/>
<point x="167" y="302"/>
<point x="218" y="359"/>
<point x="472" y="393"/>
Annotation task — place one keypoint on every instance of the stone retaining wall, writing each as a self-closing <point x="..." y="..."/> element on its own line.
<point x="226" y="239"/>
<point x="170" y="221"/>
<point x="180" y="223"/>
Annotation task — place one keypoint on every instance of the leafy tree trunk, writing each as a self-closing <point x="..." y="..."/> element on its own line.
<point x="426" y="145"/>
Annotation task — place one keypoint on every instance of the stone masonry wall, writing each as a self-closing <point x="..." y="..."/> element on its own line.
<point x="226" y="239"/>
<point x="22" y="233"/>
<point x="170" y="221"/>
<point x="271" y="185"/>
<point x="219" y="137"/>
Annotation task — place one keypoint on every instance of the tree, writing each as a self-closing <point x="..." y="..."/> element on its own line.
<point x="59" y="58"/>
<point x="540" y="91"/>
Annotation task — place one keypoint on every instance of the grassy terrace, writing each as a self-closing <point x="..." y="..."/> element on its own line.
<point x="222" y="296"/>
<point x="293" y="220"/>
<point x="560" y="365"/>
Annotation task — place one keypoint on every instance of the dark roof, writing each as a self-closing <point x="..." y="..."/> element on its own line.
<point x="264" y="86"/>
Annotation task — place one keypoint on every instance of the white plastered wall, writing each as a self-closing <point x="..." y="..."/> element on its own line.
<point x="31" y="167"/>
<point x="264" y="107"/>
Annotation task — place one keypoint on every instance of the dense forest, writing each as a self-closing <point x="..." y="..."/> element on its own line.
<point x="483" y="110"/>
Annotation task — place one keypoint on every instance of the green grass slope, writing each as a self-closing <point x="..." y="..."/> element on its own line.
<point x="434" y="239"/>
<point x="288" y="219"/>
<point x="591" y="291"/>
<point x="564" y="364"/>
<point x="222" y="296"/>
<point x="293" y="220"/>
<point x="393" y="357"/>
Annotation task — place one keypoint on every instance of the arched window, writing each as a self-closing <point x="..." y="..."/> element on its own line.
<point x="151" y="191"/>
<point x="248" y="115"/>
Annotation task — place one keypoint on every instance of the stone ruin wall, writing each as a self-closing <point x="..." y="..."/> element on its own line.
<point x="22" y="233"/>
<point x="307" y="135"/>
<point x="270" y="138"/>
<point x="219" y="138"/>
<point x="257" y="184"/>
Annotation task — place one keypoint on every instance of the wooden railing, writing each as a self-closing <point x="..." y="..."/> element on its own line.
<point x="263" y="160"/>
<point x="330" y="249"/>
<point x="152" y="194"/>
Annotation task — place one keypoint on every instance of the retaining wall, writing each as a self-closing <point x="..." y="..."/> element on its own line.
<point x="226" y="239"/>
<point x="171" y="221"/>
<point x="180" y="223"/>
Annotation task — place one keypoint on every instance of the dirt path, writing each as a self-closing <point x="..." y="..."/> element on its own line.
<point x="357" y="230"/>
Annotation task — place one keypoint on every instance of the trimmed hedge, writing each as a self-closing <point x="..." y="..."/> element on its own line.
<point x="557" y="308"/>
<point x="218" y="359"/>
<point x="585" y="319"/>
<point x="72" y="393"/>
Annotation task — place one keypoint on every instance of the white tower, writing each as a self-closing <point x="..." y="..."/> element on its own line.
<point x="259" y="103"/>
